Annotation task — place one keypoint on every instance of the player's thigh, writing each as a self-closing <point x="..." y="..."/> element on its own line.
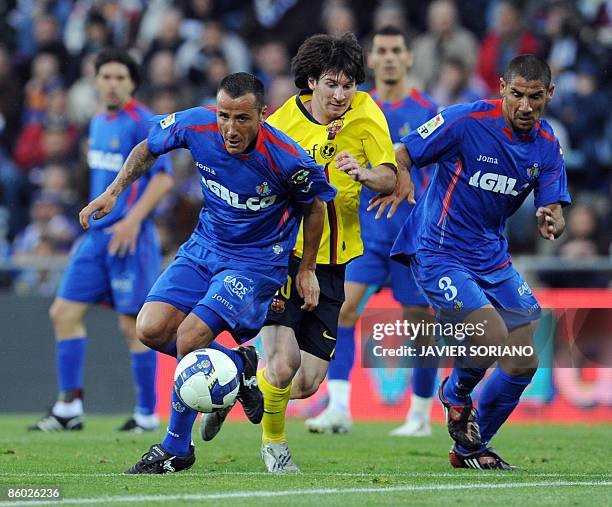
<point x="308" y="378"/>
<point x="133" y="275"/>
<point x="157" y="324"/>
<point x="86" y="278"/>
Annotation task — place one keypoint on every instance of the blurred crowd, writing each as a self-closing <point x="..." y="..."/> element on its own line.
<point x="48" y="96"/>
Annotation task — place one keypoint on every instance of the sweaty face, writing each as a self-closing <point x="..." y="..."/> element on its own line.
<point x="332" y="95"/>
<point x="238" y="120"/>
<point x="389" y="58"/>
<point x="524" y="102"/>
<point x="114" y="84"/>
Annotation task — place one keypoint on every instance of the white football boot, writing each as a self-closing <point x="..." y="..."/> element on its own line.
<point x="330" y="421"/>
<point x="278" y="459"/>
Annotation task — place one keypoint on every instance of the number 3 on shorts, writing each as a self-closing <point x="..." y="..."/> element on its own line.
<point x="446" y="284"/>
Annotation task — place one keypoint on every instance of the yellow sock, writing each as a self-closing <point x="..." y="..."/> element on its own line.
<point x="275" y="405"/>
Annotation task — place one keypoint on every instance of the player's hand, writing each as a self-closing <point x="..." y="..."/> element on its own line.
<point x="348" y="164"/>
<point x="125" y="237"/>
<point x="546" y="223"/>
<point x="101" y="206"/>
<point x="404" y="190"/>
<point x="308" y="288"/>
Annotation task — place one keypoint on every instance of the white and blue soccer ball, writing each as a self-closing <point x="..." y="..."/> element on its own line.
<point x="206" y="380"/>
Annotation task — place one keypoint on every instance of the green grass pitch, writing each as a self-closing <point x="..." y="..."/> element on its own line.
<point x="564" y="465"/>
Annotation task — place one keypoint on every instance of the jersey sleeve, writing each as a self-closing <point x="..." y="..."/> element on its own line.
<point x="307" y="180"/>
<point x="551" y="186"/>
<point x="163" y="163"/>
<point x="169" y="132"/>
<point x="377" y="143"/>
<point x="437" y="139"/>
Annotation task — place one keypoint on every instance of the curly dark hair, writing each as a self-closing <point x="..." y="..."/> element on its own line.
<point x="320" y="54"/>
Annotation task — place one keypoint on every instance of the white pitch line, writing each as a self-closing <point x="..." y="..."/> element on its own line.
<point x="458" y="474"/>
<point x="293" y="492"/>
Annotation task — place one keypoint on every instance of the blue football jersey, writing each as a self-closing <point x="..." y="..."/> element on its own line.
<point x="251" y="201"/>
<point x="402" y="116"/>
<point x="485" y="172"/>
<point x="111" y="139"/>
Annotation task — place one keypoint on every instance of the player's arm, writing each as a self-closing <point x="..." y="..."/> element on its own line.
<point x="306" y="280"/>
<point x="404" y="188"/>
<point x="138" y="162"/>
<point x="551" y="222"/>
<point x="378" y="179"/>
<point x="125" y="231"/>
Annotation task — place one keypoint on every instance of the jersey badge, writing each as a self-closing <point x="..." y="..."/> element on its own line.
<point x="263" y="189"/>
<point x="328" y="150"/>
<point x="430" y="126"/>
<point x="533" y="171"/>
<point x="167" y="121"/>
<point x="333" y="128"/>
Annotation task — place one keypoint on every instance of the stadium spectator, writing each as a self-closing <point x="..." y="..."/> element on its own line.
<point x="507" y="39"/>
<point x="444" y="38"/>
<point x="454" y="85"/>
<point x="82" y="95"/>
<point x="271" y="61"/>
<point x="10" y="101"/>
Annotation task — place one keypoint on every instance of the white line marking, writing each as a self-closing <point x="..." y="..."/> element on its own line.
<point x="459" y="474"/>
<point x="294" y="492"/>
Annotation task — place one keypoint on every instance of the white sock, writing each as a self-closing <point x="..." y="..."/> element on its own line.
<point x="147" y="421"/>
<point x="68" y="409"/>
<point x="339" y="395"/>
<point x="420" y="408"/>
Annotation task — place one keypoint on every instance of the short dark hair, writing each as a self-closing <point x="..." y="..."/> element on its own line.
<point x="393" y="31"/>
<point x="108" y="55"/>
<point x="240" y="83"/>
<point x="320" y="54"/>
<point x="530" y="67"/>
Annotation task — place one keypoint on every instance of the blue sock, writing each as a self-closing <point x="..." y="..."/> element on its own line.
<point x="424" y="381"/>
<point x="233" y="355"/>
<point x="178" y="434"/>
<point x="498" y="398"/>
<point x="344" y="356"/>
<point x="69" y="360"/>
<point x="461" y="383"/>
<point x="170" y="350"/>
<point x="144" y="367"/>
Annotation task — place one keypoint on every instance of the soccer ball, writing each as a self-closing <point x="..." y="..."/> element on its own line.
<point x="206" y="380"/>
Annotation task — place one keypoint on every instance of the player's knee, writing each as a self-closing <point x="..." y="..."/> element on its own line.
<point x="66" y="321"/>
<point x="306" y="386"/>
<point x="280" y="371"/>
<point x="348" y="315"/>
<point x="152" y="333"/>
<point x="190" y="337"/>
<point x="520" y="367"/>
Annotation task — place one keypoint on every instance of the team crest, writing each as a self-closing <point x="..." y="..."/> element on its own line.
<point x="533" y="171"/>
<point x="328" y="150"/>
<point x="277" y="305"/>
<point x="333" y="128"/>
<point x="457" y="304"/>
<point x="300" y="177"/>
<point x="278" y="249"/>
<point x="263" y="189"/>
<point x="178" y="406"/>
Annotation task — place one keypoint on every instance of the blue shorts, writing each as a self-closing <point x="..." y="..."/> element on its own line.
<point x="455" y="291"/>
<point x="239" y="292"/>
<point x="95" y="276"/>
<point x="375" y="266"/>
